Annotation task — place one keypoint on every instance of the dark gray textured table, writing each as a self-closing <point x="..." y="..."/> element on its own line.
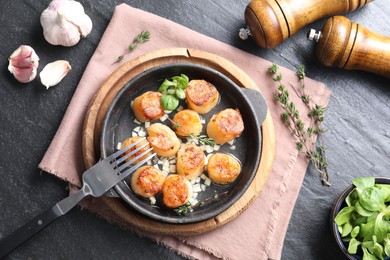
<point x="358" y="120"/>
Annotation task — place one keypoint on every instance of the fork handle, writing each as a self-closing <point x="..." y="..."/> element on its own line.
<point x="19" y="236"/>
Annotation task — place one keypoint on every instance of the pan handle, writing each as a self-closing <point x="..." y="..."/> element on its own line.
<point x="258" y="103"/>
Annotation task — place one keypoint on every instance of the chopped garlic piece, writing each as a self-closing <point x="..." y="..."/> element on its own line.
<point x="164" y="117"/>
<point x="152" y="200"/>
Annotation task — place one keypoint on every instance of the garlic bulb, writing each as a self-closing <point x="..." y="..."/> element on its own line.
<point x="23" y="63"/>
<point x="54" y="72"/>
<point x="64" y="23"/>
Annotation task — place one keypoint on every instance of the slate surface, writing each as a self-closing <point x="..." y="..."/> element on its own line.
<point x="358" y="120"/>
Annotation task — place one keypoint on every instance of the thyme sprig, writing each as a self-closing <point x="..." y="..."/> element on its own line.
<point x="305" y="134"/>
<point x="202" y="139"/>
<point x="188" y="207"/>
<point x="142" y="37"/>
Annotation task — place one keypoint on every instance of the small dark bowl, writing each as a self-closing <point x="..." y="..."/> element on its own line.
<point x="339" y="204"/>
<point x="118" y="124"/>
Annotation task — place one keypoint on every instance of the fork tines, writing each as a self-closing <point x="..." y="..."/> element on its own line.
<point x="120" y="159"/>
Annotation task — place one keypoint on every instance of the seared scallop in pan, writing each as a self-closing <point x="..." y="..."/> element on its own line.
<point x="187" y="122"/>
<point x="143" y="143"/>
<point x="147" y="107"/>
<point x="202" y="96"/>
<point x="190" y="161"/>
<point x="147" y="181"/>
<point x="225" y="126"/>
<point x="163" y="140"/>
<point x="176" y="190"/>
<point x="223" y="168"/>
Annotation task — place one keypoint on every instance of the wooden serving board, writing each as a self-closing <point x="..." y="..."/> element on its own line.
<point x="101" y="101"/>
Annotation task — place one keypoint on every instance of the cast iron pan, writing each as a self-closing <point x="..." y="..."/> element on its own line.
<point x="119" y="123"/>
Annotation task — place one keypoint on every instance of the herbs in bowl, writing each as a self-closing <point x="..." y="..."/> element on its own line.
<point x="361" y="219"/>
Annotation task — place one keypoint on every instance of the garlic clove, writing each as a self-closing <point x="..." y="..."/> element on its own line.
<point x="54" y="72"/>
<point x="23" y="63"/>
<point x="64" y="22"/>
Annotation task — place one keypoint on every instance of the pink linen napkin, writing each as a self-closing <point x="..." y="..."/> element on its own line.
<point x="258" y="233"/>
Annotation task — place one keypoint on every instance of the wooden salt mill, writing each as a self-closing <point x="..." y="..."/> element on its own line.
<point x="348" y="45"/>
<point x="270" y="22"/>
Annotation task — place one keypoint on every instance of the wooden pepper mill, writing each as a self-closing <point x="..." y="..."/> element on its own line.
<point x="270" y="22"/>
<point x="351" y="46"/>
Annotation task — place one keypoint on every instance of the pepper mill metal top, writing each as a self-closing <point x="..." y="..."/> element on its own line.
<point x="269" y="22"/>
<point x="313" y="35"/>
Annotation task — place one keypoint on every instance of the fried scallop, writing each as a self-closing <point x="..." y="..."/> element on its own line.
<point x="147" y="181"/>
<point x="147" y="107"/>
<point x="163" y="140"/>
<point x="187" y="122"/>
<point x="223" y="168"/>
<point x="176" y="191"/>
<point x="190" y="161"/>
<point x="201" y="95"/>
<point x="131" y="140"/>
<point x="225" y="126"/>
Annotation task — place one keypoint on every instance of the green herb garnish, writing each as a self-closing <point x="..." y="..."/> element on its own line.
<point x="203" y="139"/>
<point x="305" y="134"/>
<point x="188" y="207"/>
<point x="144" y="36"/>
<point x="173" y="90"/>
<point x="365" y="221"/>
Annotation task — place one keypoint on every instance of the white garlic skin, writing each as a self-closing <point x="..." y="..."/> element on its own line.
<point x="54" y="72"/>
<point x="23" y="64"/>
<point x="64" y="22"/>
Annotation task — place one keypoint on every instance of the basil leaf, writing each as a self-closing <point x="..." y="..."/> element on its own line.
<point x="362" y="211"/>
<point x="385" y="190"/>
<point x="367" y="230"/>
<point x="347" y="228"/>
<point x="377" y="248"/>
<point x="344" y="215"/>
<point x="351" y="198"/>
<point x="169" y="102"/>
<point x="372" y="199"/>
<point x="185" y="78"/>
<point x="362" y="183"/>
<point x="367" y="255"/>
<point x="182" y="81"/>
<point x="381" y="228"/>
<point x="387" y="245"/>
<point x="180" y="93"/>
<point x="355" y="231"/>
<point x="165" y="85"/>
<point x="353" y="246"/>
<point x="171" y="91"/>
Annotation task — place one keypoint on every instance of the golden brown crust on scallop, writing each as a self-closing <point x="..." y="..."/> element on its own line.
<point x="147" y="107"/>
<point x="201" y="95"/>
<point x="190" y="161"/>
<point x="186" y="122"/>
<point x="177" y="191"/>
<point x="225" y="126"/>
<point x="147" y="181"/>
<point x="223" y="168"/>
<point x="163" y="140"/>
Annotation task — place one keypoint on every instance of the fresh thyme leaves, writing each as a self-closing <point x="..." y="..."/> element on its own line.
<point x="188" y="207"/>
<point x="305" y="134"/>
<point x="172" y="91"/>
<point x="203" y="139"/>
<point x="142" y="37"/>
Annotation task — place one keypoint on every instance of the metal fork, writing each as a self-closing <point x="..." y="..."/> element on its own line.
<point x="96" y="181"/>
